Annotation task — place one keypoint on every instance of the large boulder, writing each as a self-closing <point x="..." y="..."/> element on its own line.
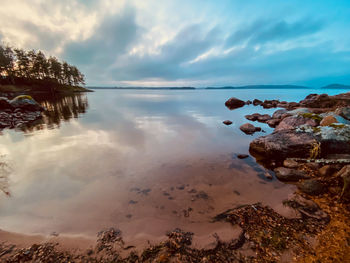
<point x="293" y="122"/>
<point x="234" y="103"/>
<point x="282" y="144"/>
<point x="26" y="103"/>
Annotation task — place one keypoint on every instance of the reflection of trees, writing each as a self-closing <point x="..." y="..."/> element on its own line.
<point x="59" y="108"/>
<point x="5" y="171"/>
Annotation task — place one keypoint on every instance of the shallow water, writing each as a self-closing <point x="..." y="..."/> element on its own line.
<point x="142" y="161"/>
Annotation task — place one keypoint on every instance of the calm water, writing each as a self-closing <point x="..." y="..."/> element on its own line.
<point x="134" y="160"/>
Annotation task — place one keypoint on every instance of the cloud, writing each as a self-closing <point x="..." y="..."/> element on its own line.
<point x="262" y="31"/>
<point x="110" y="39"/>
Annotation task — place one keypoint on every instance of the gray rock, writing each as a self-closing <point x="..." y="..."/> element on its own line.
<point x="343" y="112"/>
<point x="279" y="113"/>
<point x="290" y="175"/>
<point x="283" y="144"/>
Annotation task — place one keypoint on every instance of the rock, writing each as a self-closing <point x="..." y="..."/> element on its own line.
<point x="299" y="111"/>
<point x="273" y="122"/>
<point x="307" y="207"/>
<point x="26" y="103"/>
<point x="318" y="101"/>
<point x="242" y="156"/>
<point x="5" y="103"/>
<point x="248" y="128"/>
<point x="312" y="166"/>
<point x="327" y="170"/>
<point x="248" y="102"/>
<point x="282" y="145"/>
<point x="328" y="120"/>
<point x="234" y="103"/>
<point x="344" y="173"/>
<point x="257" y="102"/>
<point x="344" y="112"/>
<point x="252" y="117"/>
<point x="264" y="118"/>
<point x="290" y="163"/>
<point x="290" y="175"/>
<point x="279" y="113"/>
<point x="293" y="122"/>
<point x="311" y="187"/>
<point x="333" y="140"/>
<point x="267" y="104"/>
<point x="227" y="122"/>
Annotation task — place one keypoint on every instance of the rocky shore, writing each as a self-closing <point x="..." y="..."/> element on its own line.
<point x="18" y="112"/>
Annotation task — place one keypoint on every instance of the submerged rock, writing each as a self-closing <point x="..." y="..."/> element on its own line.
<point x="234" y="103"/>
<point x="227" y="122"/>
<point x="248" y="128"/>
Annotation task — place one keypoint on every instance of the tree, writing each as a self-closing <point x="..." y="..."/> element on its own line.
<point x="6" y="62"/>
<point x="55" y="69"/>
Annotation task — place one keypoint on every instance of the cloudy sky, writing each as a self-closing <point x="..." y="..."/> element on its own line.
<point x="182" y="42"/>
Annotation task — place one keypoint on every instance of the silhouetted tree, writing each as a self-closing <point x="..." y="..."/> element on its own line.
<point x="34" y="65"/>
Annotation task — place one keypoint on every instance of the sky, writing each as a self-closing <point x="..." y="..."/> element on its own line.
<point x="188" y="43"/>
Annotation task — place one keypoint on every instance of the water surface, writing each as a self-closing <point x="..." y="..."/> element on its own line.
<point x="142" y="161"/>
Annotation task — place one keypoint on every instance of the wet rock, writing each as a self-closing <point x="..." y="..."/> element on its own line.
<point x="328" y="120"/>
<point x="234" y="103"/>
<point x="227" y="122"/>
<point x="273" y="122"/>
<point x="290" y="163"/>
<point x="257" y="102"/>
<point x="248" y="102"/>
<point x="267" y="104"/>
<point x="290" y="175"/>
<point x="242" y="156"/>
<point x="311" y="187"/>
<point x="252" y="117"/>
<point x="248" y="128"/>
<point x="293" y="122"/>
<point x="283" y="144"/>
<point x="264" y="118"/>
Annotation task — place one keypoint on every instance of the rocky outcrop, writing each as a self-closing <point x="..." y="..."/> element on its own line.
<point x="234" y="103"/>
<point x="20" y="111"/>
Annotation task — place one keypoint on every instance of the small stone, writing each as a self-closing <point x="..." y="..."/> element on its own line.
<point x="326" y="171"/>
<point x="248" y="128"/>
<point x="227" y="122"/>
<point x="242" y="156"/>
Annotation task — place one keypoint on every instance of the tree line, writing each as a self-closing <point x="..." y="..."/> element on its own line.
<point x="17" y="64"/>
